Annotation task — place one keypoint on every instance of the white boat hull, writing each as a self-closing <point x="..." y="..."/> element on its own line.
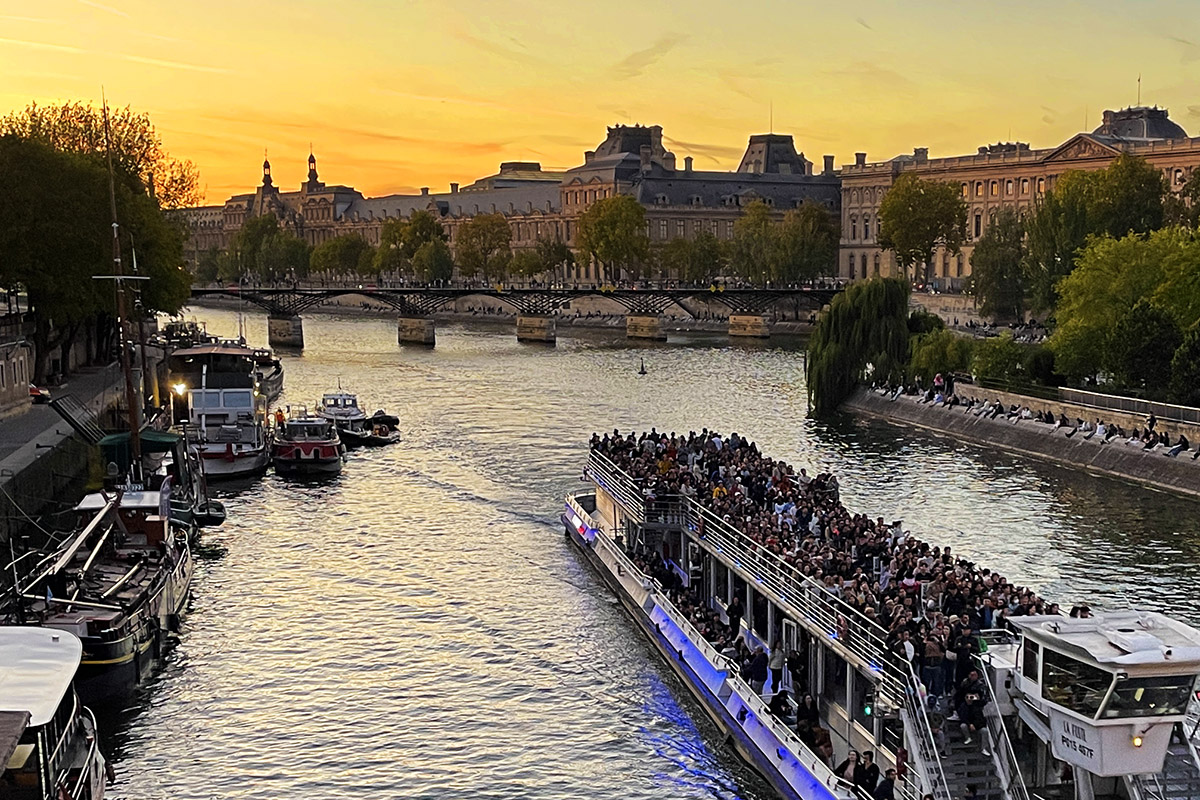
<point x="220" y="464"/>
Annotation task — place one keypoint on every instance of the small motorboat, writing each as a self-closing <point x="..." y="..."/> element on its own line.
<point x="369" y="435"/>
<point x="354" y="426"/>
<point x="307" y="445"/>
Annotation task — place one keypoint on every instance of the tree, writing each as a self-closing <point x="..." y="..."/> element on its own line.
<point x="999" y="358"/>
<point x="939" y="351"/>
<point x="400" y="239"/>
<point x="247" y="242"/>
<point x="525" y="264"/>
<point x="345" y="254"/>
<point x="997" y="275"/>
<point x="137" y="147"/>
<point x="916" y="216"/>
<point x="613" y="232"/>
<point x="1141" y="348"/>
<point x="482" y="246"/>
<point x="866" y="329"/>
<point x="433" y="261"/>
<point x="1056" y="232"/>
<point x="752" y="251"/>
<point x="1185" y="370"/>
<point x="1128" y="197"/>
<point x="282" y="256"/>
<point x="554" y="255"/>
<point x="696" y="261"/>
<point x="1112" y="276"/>
<point x="806" y="244"/>
<point x="1184" y="208"/>
<point x="208" y="265"/>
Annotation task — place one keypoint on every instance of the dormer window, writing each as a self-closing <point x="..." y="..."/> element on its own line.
<point x="696" y="201"/>
<point x="660" y="200"/>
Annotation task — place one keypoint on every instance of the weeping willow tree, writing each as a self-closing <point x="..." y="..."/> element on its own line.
<point x="866" y="328"/>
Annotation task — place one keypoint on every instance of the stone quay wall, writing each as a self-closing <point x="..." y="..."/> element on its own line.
<point x="1179" y="475"/>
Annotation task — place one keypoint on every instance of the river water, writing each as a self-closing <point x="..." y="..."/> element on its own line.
<point x="419" y="628"/>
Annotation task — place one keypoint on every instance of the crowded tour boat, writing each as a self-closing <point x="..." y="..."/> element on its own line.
<point x="354" y="426"/>
<point x="218" y="400"/>
<point x="811" y="635"/>
<point x="306" y="444"/>
<point x="49" y="745"/>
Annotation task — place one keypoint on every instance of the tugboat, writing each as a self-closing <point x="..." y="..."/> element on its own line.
<point x="218" y="400"/>
<point x="354" y="426"/>
<point x="306" y="445"/>
<point x="48" y="743"/>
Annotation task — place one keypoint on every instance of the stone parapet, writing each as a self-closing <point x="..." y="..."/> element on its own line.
<point x="285" y="332"/>
<point x="536" y="328"/>
<point x="416" y="330"/>
<point x="644" y="327"/>
<point x="752" y="326"/>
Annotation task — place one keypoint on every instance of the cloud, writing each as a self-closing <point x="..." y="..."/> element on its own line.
<point x="153" y="62"/>
<point x="874" y="77"/>
<point x="107" y="9"/>
<point x="1193" y="111"/>
<point x="1189" y="52"/>
<point x="519" y="56"/>
<point x="716" y="152"/>
<point x="633" y="64"/>
<point x="863" y="22"/>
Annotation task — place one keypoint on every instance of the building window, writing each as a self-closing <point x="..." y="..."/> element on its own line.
<point x="867" y="228"/>
<point x="877" y="263"/>
<point x="854" y="196"/>
<point x="696" y="201"/>
<point x="958" y="265"/>
<point x="1008" y="187"/>
<point x="1178" y="177"/>
<point x="1024" y="185"/>
<point x="979" y="188"/>
<point x="679" y="231"/>
<point x="854" y="229"/>
<point x="662" y="229"/>
<point x="1041" y="185"/>
<point x="978" y="224"/>
<point x="964" y="190"/>
<point x="994" y="188"/>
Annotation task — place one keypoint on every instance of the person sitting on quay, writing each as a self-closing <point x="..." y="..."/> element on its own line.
<point x="1180" y="446"/>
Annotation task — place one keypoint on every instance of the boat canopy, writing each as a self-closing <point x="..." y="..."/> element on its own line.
<point x="116" y="448"/>
<point x="37" y="666"/>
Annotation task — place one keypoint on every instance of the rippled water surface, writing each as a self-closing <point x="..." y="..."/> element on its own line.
<point x="419" y="628"/>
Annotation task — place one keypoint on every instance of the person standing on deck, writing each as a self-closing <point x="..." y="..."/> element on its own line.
<point x="758" y="670"/>
<point x="775" y="664"/>
<point x="735" y="612"/>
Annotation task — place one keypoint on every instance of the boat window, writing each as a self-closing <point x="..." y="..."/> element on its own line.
<point x="238" y="399"/>
<point x="1029" y="661"/>
<point x="1072" y="684"/>
<point x="1150" y="697"/>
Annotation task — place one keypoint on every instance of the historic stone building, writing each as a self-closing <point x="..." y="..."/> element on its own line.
<point x="1006" y="174"/>
<point x="679" y="201"/>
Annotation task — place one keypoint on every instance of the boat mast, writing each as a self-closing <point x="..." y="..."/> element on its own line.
<point x="135" y="440"/>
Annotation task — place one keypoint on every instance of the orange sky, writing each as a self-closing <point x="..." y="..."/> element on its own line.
<point x="398" y="94"/>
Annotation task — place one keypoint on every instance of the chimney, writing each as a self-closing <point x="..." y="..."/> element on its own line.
<point x="828" y="166"/>
<point x="588" y="155"/>
<point x="645" y="152"/>
<point x="921" y="154"/>
<point x="687" y="163"/>
<point x="860" y="159"/>
<point x="424" y="191"/>
<point x="454" y="188"/>
<point x="669" y="162"/>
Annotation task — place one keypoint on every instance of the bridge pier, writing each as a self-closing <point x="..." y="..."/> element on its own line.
<point x="415" y="330"/>
<point x="751" y="326"/>
<point x="644" y="326"/>
<point x="285" y="331"/>
<point x="536" y="328"/>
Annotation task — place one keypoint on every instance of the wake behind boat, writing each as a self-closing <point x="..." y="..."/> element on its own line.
<point x="354" y="426"/>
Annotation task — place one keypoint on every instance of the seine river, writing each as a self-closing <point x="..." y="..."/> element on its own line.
<point x="419" y="628"/>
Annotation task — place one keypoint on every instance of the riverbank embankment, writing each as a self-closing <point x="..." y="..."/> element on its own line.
<point x="1114" y="459"/>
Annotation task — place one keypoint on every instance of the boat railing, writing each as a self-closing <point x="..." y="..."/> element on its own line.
<point x="749" y="698"/>
<point x="1012" y="782"/>
<point x="919" y="739"/>
<point x="93" y="740"/>
<point x="612" y="479"/>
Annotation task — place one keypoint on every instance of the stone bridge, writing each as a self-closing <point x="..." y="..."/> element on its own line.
<point x="535" y="307"/>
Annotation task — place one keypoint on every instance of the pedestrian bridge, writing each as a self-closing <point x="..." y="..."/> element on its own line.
<point x="535" y="307"/>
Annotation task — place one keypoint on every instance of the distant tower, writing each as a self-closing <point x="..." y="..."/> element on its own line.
<point x="312" y="167"/>
<point x="266" y="172"/>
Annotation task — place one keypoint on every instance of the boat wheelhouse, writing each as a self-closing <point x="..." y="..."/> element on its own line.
<point x="306" y="445"/>
<point x="49" y="748"/>
<point x="218" y="401"/>
<point x="355" y="428"/>
<point x="1100" y="708"/>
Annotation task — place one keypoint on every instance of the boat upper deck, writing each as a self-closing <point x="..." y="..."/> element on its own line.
<point x="37" y="666"/>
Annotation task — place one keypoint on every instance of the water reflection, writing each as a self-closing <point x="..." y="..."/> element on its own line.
<point x="419" y="628"/>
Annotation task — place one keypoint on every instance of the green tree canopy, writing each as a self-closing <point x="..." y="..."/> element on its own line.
<point x="939" y="351"/>
<point x="348" y="253"/>
<point x="482" y="246"/>
<point x="400" y="239"/>
<point x="553" y="254"/>
<point x="697" y="260"/>
<point x="753" y="252"/>
<point x="137" y="147"/>
<point x="997" y="274"/>
<point x="1000" y="357"/>
<point x="806" y="244"/>
<point x="917" y="216"/>
<point x="1111" y="277"/>
<point x="613" y="232"/>
<point x="1141" y="347"/>
<point x="1185" y="370"/>
<point x="433" y="261"/>
<point x="866" y="327"/>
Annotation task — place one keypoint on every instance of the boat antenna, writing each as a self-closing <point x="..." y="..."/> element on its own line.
<point x="119" y="278"/>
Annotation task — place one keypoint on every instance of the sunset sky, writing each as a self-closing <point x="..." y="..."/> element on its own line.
<point x="398" y="94"/>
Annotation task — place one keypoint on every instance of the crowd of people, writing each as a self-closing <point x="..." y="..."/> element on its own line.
<point x="930" y="604"/>
<point x="943" y="393"/>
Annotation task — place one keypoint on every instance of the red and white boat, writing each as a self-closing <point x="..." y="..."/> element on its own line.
<point x="307" y="445"/>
